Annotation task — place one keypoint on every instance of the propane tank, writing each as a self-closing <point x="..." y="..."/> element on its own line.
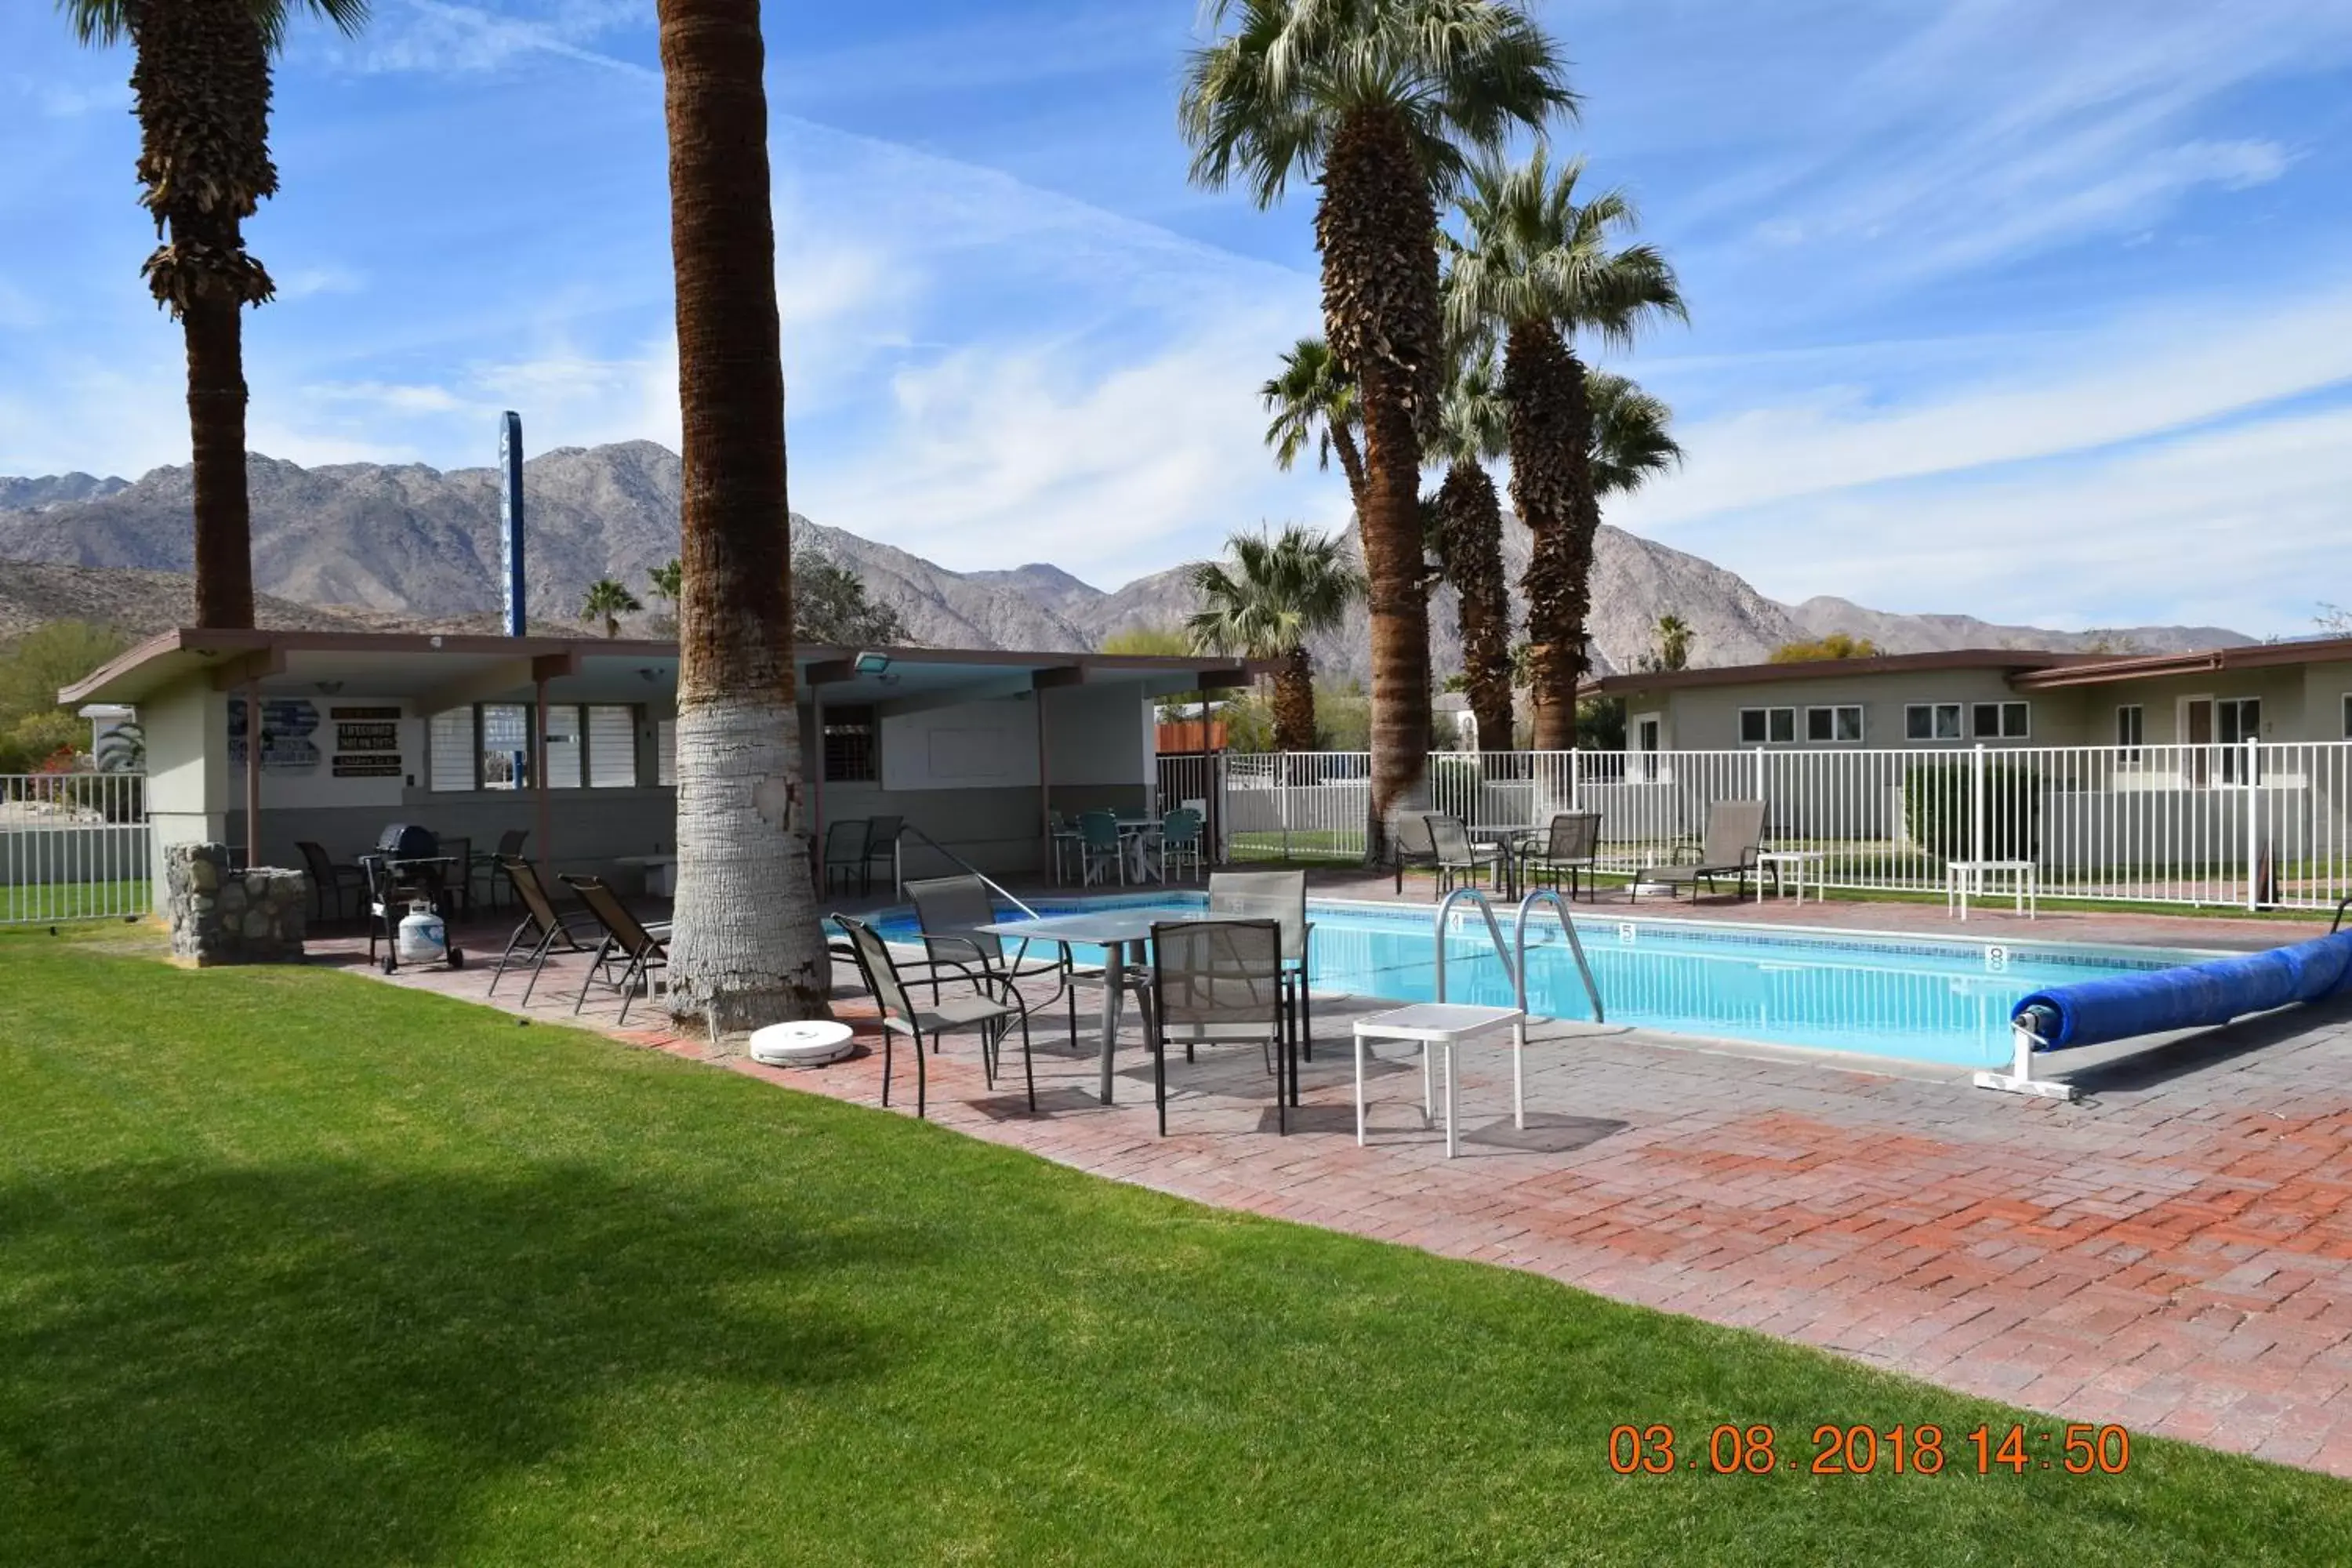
<point x="423" y="939"/>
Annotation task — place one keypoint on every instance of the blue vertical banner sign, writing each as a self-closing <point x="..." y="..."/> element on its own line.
<point x="511" y="521"/>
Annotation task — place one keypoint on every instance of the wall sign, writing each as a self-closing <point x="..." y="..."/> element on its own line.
<point x="367" y="742"/>
<point x="287" y="725"/>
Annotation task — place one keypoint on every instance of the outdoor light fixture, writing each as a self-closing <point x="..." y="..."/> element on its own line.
<point x="328" y="687"/>
<point x="871" y="663"/>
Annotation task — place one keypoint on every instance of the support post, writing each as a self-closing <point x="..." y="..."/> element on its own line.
<point x="1046" y="862"/>
<point x="1977" y="805"/>
<point x="2019" y="1078"/>
<point x="539" y="779"/>
<point x="252" y="774"/>
<point x="2254" y="825"/>
<point x="816" y="782"/>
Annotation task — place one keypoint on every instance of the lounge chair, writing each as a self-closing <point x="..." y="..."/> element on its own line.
<point x="545" y="928"/>
<point x="1572" y="845"/>
<point x="1220" y="980"/>
<point x="645" y="948"/>
<point x="993" y="1017"/>
<point x="1734" y="837"/>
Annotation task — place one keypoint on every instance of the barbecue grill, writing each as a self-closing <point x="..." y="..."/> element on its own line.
<point x="406" y="867"/>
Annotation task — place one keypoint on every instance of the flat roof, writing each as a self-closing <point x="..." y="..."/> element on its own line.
<point x="454" y="669"/>
<point x="2151" y="667"/>
<point x="2010" y="659"/>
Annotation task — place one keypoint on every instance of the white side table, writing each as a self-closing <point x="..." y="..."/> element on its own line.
<point x="661" y="873"/>
<point x="1442" y="1025"/>
<point x="1964" y="877"/>
<point x="1784" y="861"/>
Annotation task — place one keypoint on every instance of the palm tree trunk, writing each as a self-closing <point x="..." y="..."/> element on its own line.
<point x="1551" y="487"/>
<point x="1294" y="703"/>
<point x="1352" y="462"/>
<point x="748" y="948"/>
<point x="1377" y="228"/>
<point x="214" y="327"/>
<point x="1471" y="524"/>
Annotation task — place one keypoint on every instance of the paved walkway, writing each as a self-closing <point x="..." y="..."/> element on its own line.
<point x="2173" y="1253"/>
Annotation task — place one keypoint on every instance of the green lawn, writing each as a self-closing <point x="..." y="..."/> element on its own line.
<point x="38" y="903"/>
<point x="297" y="1268"/>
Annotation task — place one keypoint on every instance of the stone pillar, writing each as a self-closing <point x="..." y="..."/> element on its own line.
<point x="219" y="916"/>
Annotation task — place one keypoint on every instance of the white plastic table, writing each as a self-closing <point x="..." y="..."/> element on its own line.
<point x="1785" y="860"/>
<point x="1442" y="1024"/>
<point x="1115" y="931"/>
<point x="1962" y="877"/>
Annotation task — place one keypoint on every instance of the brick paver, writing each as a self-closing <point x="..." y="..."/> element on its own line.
<point x="2173" y="1253"/>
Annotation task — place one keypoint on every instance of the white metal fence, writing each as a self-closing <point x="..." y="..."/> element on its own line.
<point x="73" y="846"/>
<point x="2252" y="824"/>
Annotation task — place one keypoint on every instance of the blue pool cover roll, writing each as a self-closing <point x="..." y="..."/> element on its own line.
<point x="2191" y="996"/>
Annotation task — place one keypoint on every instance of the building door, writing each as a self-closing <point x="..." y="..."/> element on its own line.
<point x="2197" y="734"/>
<point x="1648" y="730"/>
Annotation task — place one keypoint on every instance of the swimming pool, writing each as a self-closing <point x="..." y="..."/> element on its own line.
<point x="1927" y="999"/>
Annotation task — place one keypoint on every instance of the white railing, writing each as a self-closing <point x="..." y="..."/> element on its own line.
<point x="2252" y="825"/>
<point x="73" y="846"/>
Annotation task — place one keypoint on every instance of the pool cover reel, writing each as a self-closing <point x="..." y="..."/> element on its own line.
<point x="2122" y="1005"/>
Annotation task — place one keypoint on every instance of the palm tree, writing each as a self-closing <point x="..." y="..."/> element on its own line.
<point x="748" y="949"/>
<point x="1314" y="399"/>
<point x="1631" y="434"/>
<point x="1279" y="590"/>
<point x="1476" y="431"/>
<point x="1674" y="635"/>
<point x="200" y="80"/>
<point x="609" y="599"/>
<point x="663" y="582"/>
<point x="1540" y="266"/>
<point x="1375" y="101"/>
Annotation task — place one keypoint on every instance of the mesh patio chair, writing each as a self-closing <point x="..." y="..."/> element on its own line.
<point x="1068" y="845"/>
<point x="1220" y="980"/>
<point x="1734" y="838"/>
<point x="992" y="1017"/>
<point x="543" y="930"/>
<point x="950" y="910"/>
<point x="1409" y="844"/>
<point x="329" y="882"/>
<point x="459" y="884"/>
<point x="625" y="937"/>
<point x="1457" y="856"/>
<point x="844" y="852"/>
<point x="1100" y="844"/>
<point x="1572" y="845"/>
<point x="485" y="867"/>
<point x="881" y="844"/>
<point x="1280" y="896"/>
<point x="1180" y="840"/>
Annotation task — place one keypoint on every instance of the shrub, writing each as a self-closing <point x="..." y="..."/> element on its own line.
<point x="1939" y="807"/>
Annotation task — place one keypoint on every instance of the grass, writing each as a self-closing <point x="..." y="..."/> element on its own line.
<point x="32" y="902"/>
<point x="299" y="1267"/>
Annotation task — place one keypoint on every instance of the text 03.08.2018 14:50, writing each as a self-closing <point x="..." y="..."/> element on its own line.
<point x="1658" y="1448"/>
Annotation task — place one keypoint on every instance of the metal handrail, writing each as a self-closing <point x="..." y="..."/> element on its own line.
<point x="899" y="870"/>
<point x="1575" y="945"/>
<point x="1494" y="929"/>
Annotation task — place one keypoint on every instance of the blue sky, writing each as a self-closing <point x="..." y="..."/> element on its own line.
<point x="2033" y="311"/>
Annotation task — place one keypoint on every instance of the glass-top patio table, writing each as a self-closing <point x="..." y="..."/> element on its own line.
<point x="1115" y="931"/>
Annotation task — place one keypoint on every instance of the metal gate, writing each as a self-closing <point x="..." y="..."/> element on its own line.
<point x="73" y="847"/>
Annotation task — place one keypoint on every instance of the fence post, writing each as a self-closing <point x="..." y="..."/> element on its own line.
<point x="1977" y="805"/>
<point x="1575" y="783"/>
<point x="2253" y="827"/>
<point x="1282" y="777"/>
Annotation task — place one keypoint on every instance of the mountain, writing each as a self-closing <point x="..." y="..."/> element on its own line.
<point x="403" y="545"/>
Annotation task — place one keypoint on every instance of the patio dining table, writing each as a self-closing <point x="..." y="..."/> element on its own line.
<point x="1514" y="839"/>
<point x="1116" y="932"/>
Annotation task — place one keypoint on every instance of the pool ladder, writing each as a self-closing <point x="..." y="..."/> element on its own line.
<point x="1515" y="959"/>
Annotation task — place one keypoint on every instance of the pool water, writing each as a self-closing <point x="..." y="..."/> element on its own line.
<point x="1938" y="1000"/>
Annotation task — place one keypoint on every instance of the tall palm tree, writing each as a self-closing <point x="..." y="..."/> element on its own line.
<point x="1675" y="637"/>
<point x="1279" y="590"/>
<point x="1375" y="101"/>
<point x="1542" y="268"/>
<point x="1476" y="431"/>
<point x="609" y="599"/>
<point x="747" y="947"/>
<point x="1633" y="434"/>
<point x="1314" y="400"/>
<point x="200" y="86"/>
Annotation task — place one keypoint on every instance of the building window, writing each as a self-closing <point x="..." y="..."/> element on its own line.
<point x="1841" y="725"/>
<point x="1768" y="726"/>
<point x="612" y="747"/>
<point x="563" y="745"/>
<point x="2131" y="730"/>
<point x="1998" y="721"/>
<point x="850" y="750"/>
<point x="455" y="749"/>
<point x="2237" y="719"/>
<point x="1931" y="721"/>
<point x="665" y="752"/>
<point x="2347" y="715"/>
<point x="505" y="745"/>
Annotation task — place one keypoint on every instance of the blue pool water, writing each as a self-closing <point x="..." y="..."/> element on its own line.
<point x="1944" y="1001"/>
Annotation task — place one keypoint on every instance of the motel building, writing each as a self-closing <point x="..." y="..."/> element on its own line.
<point x="572" y="740"/>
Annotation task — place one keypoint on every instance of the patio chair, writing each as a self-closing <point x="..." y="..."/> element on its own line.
<point x="543" y="927"/>
<point x="1180" y="839"/>
<point x="459" y="885"/>
<point x="1410" y="845"/>
<point x="1734" y="837"/>
<point x="329" y="881"/>
<point x="1280" y="896"/>
<point x="1068" y="846"/>
<point x="950" y="909"/>
<point x="881" y="843"/>
<point x="992" y="1017"/>
<point x="1100" y="844"/>
<point x="1572" y="846"/>
<point x="486" y="866"/>
<point x="1457" y="856"/>
<point x="1215" y="981"/>
<point x="844" y="852"/>
<point x="625" y="937"/>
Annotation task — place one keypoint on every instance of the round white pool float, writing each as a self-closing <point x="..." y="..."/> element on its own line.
<point x="809" y="1044"/>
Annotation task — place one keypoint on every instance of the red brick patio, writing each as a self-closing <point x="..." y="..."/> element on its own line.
<point x="2173" y="1253"/>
